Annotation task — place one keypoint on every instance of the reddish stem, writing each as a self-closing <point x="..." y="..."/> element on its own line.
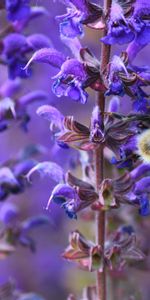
<point x="99" y="172"/>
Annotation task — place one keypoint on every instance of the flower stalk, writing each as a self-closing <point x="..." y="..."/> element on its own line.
<point x="101" y="284"/>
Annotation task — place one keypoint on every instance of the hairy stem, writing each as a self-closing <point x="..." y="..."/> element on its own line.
<point x="99" y="173"/>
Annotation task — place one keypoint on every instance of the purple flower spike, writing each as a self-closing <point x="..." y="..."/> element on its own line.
<point x="144" y="206"/>
<point x="8" y="213"/>
<point x="37" y="41"/>
<point x="10" y="87"/>
<point x="31" y="97"/>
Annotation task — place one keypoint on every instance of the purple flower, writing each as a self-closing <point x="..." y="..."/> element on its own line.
<point x="16" y="48"/>
<point x="75" y="74"/>
<point x="14" y="109"/>
<point x="53" y="115"/>
<point x="79" y="12"/>
<point x="71" y="77"/>
<point x="122" y="78"/>
<point x="73" y="196"/>
<point x="68" y="198"/>
<point x="17" y="9"/>
<point x="119" y="31"/>
<point x="69" y="81"/>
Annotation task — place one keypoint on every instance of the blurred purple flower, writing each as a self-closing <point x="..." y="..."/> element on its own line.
<point x="16" y="48"/>
<point x="69" y="81"/>
<point x="17" y="9"/>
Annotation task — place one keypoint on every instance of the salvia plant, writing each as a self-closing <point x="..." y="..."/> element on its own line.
<point x="113" y="148"/>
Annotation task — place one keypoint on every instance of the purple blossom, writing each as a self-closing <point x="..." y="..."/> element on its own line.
<point x="118" y="27"/>
<point x="73" y="196"/>
<point x="79" y="12"/>
<point x="16" y="48"/>
<point x="68" y="198"/>
<point x="14" y="109"/>
<point x="69" y="81"/>
<point x="53" y="115"/>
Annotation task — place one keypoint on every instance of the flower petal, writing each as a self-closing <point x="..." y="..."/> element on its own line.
<point x="48" y="168"/>
<point x="48" y="56"/>
<point x="51" y="114"/>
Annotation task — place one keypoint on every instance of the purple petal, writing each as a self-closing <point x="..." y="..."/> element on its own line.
<point x="7" y="177"/>
<point x="21" y="168"/>
<point x="114" y="105"/>
<point x="76" y="92"/>
<point x="133" y="49"/>
<point x="51" y="114"/>
<point x="48" y="168"/>
<point x="71" y="27"/>
<point x="144" y="206"/>
<point x="17" y="9"/>
<point x="32" y="97"/>
<point x="35" y="12"/>
<point x="37" y="41"/>
<point x="124" y="38"/>
<point x="34" y="222"/>
<point x="61" y="193"/>
<point x="48" y="56"/>
<point x="142" y="185"/>
<point x="10" y="87"/>
<point x="141" y="8"/>
<point x="81" y="5"/>
<point x="8" y="213"/>
<point x="14" y="42"/>
<point x="139" y="171"/>
<point x="72" y="67"/>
